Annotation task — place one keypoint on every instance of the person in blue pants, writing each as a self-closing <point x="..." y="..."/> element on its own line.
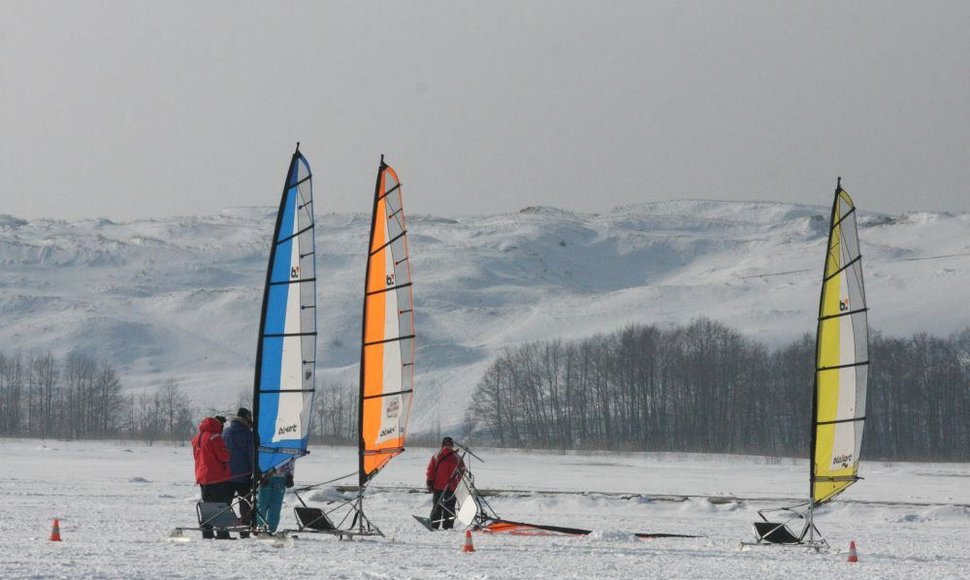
<point x="269" y="503"/>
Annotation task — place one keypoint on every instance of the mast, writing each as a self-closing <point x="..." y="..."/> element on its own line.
<point x="813" y="427"/>
<point x="361" y="445"/>
<point x="262" y="327"/>
<point x="818" y="344"/>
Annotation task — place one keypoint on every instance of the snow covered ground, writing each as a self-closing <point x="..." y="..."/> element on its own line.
<point x="117" y="502"/>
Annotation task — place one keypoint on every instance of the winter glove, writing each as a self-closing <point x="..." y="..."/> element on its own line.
<point x="429" y="486"/>
<point x="289" y="480"/>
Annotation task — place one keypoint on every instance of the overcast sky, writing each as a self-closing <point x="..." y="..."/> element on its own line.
<point x="151" y="109"/>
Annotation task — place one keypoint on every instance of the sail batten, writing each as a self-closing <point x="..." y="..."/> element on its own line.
<point x="840" y="314"/>
<point x="285" y="378"/>
<point x="387" y="341"/>
<point x="388" y="289"/>
<point x="842" y="360"/>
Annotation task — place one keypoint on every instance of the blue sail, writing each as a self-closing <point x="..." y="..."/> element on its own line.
<point x="286" y="355"/>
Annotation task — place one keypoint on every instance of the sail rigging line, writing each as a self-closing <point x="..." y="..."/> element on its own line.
<point x="805" y="270"/>
<point x="940" y="257"/>
<point x="395" y="213"/>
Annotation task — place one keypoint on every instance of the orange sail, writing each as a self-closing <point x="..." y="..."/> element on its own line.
<point x="387" y="352"/>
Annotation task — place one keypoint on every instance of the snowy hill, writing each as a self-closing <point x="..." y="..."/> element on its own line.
<point x="179" y="298"/>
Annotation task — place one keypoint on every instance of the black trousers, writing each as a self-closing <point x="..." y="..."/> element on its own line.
<point x="443" y="509"/>
<point x="222" y="493"/>
<point x="242" y="489"/>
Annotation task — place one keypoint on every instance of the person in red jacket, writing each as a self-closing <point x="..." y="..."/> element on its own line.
<point x="444" y="473"/>
<point x="212" y="466"/>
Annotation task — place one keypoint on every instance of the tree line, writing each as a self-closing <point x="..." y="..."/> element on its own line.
<point x="81" y="397"/>
<point x="702" y="387"/>
<point x="706" y="388"/>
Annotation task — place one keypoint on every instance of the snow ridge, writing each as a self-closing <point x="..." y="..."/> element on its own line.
<point x="179" y="298"/>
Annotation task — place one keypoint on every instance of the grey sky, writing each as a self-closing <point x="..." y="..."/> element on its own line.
<point x="151" y="109"/>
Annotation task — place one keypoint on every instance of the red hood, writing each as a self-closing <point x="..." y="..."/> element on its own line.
<point x="210" y="425"/>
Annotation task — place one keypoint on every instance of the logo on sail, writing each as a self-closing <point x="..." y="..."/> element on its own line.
<point x="393" y="408"/>
<point x="844" y="304"/>
<point x="390" y="279"/>
<point x="294" y="272"/>
<point x="286" y="429"/>
<point x="844" y="460"/>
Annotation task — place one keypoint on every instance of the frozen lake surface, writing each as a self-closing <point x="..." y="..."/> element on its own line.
<point x="118" y="501"/>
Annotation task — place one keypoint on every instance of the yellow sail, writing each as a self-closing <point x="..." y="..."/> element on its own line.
<point x="387" y="353"/>
<point x="842" y="359"/>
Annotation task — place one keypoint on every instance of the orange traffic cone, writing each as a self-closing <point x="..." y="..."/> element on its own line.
<point x="853" y="557"/>
<point x="56" y="531"/>
<point x="468" y="547"/>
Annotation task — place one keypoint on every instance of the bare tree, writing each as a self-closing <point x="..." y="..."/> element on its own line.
<point x="42" y="375"/>
<point x="176" y="411"/>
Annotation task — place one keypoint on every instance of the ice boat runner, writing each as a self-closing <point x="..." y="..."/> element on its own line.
<point x="841" y="376"/>
<point x="386" y="358"/>
<point x="286" y="351"/>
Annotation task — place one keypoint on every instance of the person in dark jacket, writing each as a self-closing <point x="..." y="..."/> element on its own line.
<point x="239" y="439"/>
<point x="444" y="472"/>
<point x="212" y="466"/>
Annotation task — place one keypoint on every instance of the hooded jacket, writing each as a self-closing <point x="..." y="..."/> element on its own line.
<point x="210" y="452"/>
<point x="239" y="440"/>
<point x="445" y="470"/>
